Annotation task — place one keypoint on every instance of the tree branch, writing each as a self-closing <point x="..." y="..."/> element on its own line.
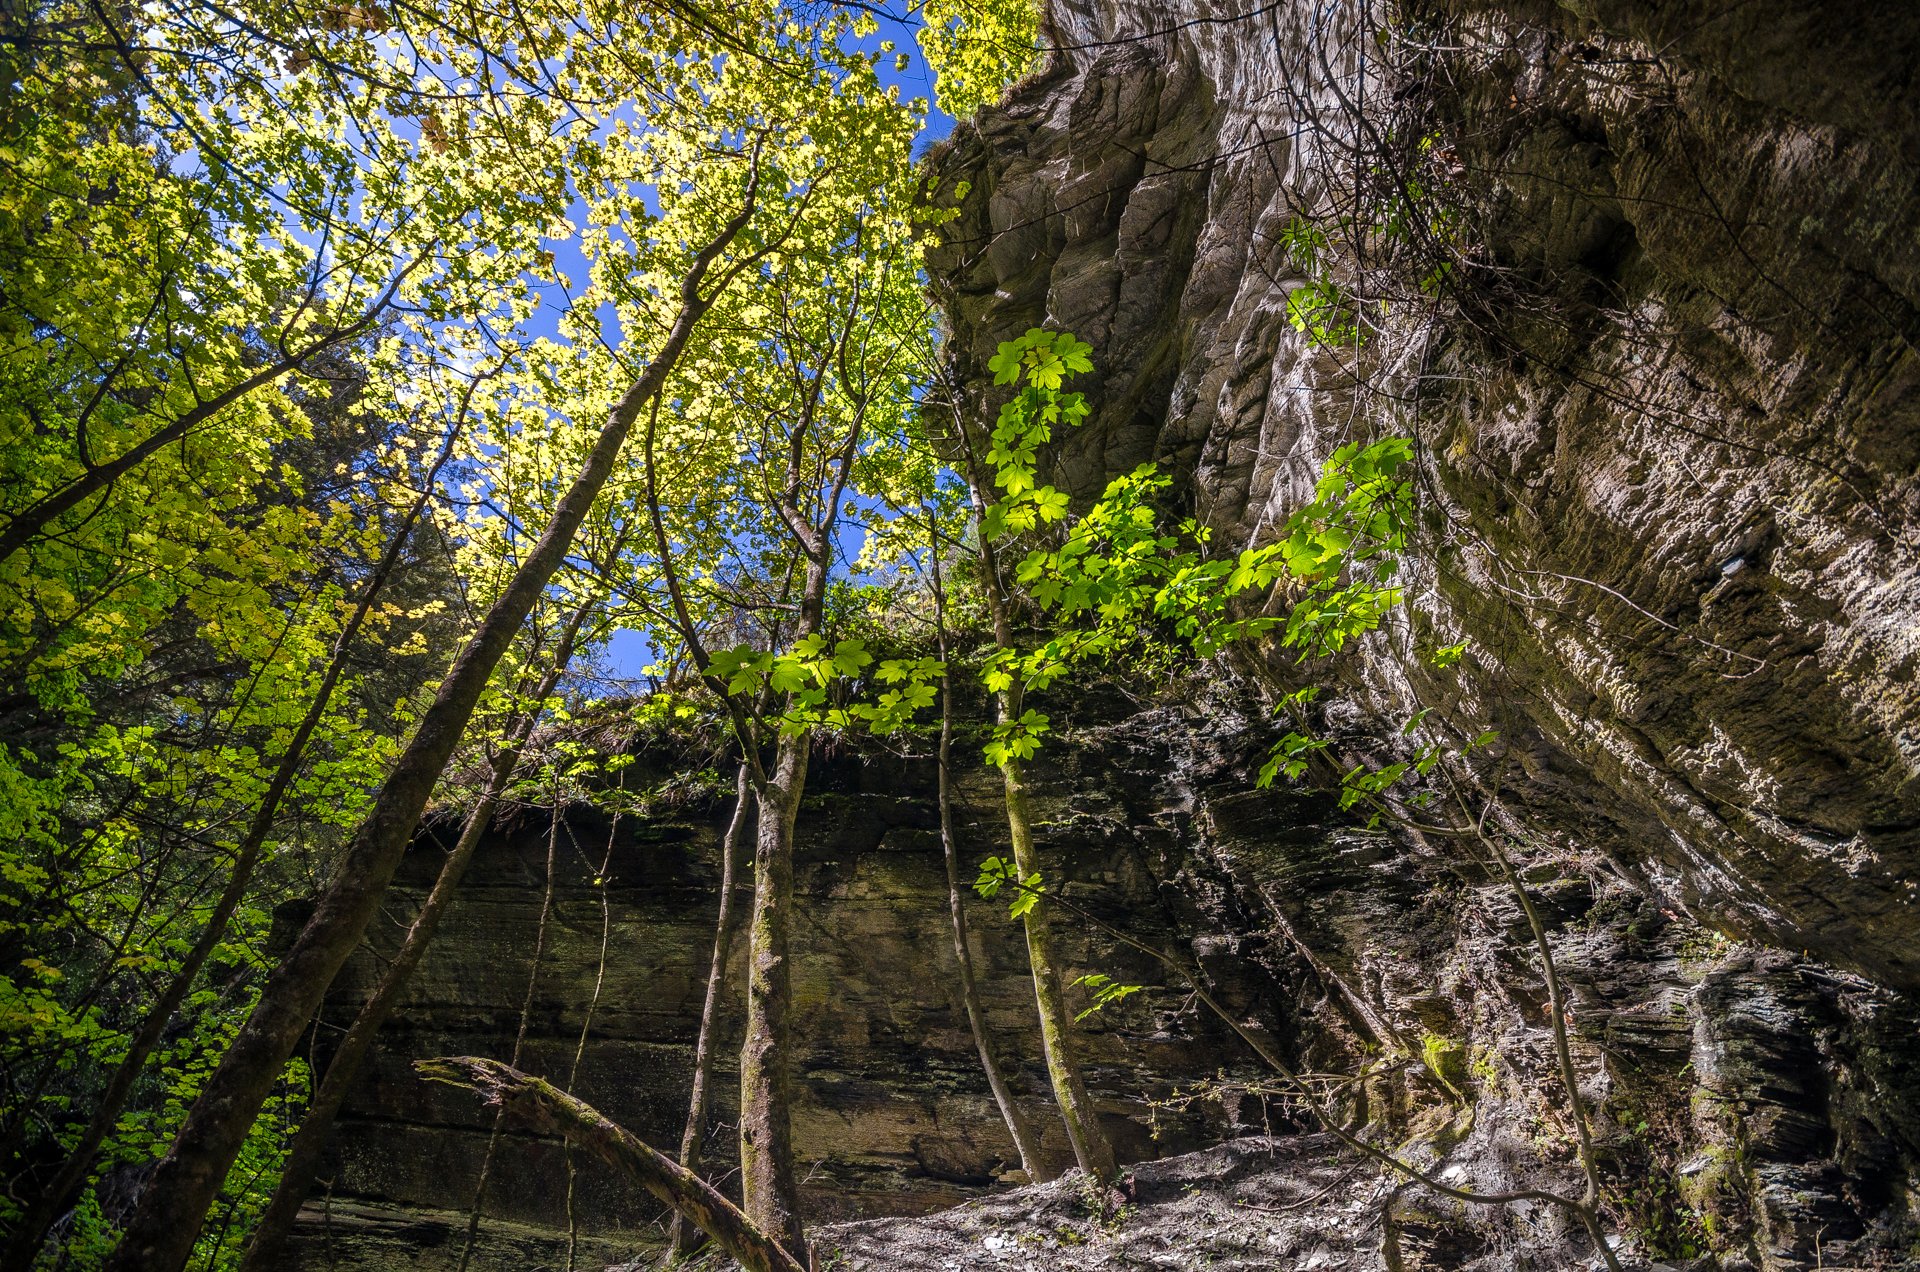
<point x="542" y="1106"/>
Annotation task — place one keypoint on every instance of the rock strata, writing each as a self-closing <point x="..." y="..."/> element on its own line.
<point x="1666" y="412"/>
<point x="1667" y="425"/>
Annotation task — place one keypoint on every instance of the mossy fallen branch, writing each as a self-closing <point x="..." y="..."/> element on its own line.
<point x="542" y="1106"/>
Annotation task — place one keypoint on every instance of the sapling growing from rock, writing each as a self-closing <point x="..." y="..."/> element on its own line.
<point x="1111" y="572"/>
<point x="1106" y="580"/>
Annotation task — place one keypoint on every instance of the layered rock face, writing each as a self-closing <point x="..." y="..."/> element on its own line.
<point x="1666" y="407"/>
<point x="1665" y="411"/>
<point x="893" y="1115"/>
<point x="1751" y="1106"/>
<point x="1665" y="415"/>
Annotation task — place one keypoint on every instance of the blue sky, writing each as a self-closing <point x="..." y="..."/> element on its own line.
<point x="628" y="653"/>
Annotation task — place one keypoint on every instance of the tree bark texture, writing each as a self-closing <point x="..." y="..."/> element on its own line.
<point x="1090" y="1147"/>
<point x="1033" y="1159"/>
<point x="309" y="1143"/>
<point x="544" y="1107"/>
<point x="768" y="1189"/>
<point x="160" y="1235"/>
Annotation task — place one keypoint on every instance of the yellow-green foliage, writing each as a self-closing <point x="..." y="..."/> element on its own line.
<point x="977" y="48"/>
<point x="251" y="181"/>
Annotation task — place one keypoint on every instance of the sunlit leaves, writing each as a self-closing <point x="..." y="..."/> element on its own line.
<point x="977" y="48"/>
<point x="1105" y="990"/>
<point x="821" y="682"/>
<point x="997" y="873"/>
<point x="1289" y="756"/>
<point x="529" y="183"/>
<point x="1017" y="739"/>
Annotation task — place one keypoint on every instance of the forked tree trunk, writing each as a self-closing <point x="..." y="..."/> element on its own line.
<point x="768" y="1190"/>
<point x="545" y="1107"/>
<point x="309" y="1143"/>
<point x="160" y="1235"/>
<point x="685" y="1237"/>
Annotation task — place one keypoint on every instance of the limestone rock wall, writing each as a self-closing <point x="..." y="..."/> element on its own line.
<point x="1754" y="1108"/>
<point x="893" y="1116"/>
<point x="1668" y="436"/>
<point x="1667" y="445"/>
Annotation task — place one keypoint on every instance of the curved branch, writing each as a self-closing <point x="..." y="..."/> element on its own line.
<point x="543" y="1106"/>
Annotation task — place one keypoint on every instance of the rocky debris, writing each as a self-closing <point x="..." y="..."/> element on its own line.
<point x="1248" y="1205"/>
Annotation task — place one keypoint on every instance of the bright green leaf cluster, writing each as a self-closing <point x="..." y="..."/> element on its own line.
<point x="1000" y="872"/>
<point x="976" y="48"/>
<point x="1105" y="990"/>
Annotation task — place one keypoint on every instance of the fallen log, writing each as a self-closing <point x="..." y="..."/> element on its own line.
<point x="540" y="1105"/>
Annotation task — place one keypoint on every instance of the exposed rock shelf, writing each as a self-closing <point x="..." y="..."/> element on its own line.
<point x="1248" y="1205"/>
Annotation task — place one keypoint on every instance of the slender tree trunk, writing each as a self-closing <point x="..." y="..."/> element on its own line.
<point x="545" y="1107"/>
<point x="1038" y="1166"/>
<point x="60" y="1193"/>
<point x="770" y="1195"/>
<point x="309" y="1143"/>
<point x="1090" y="1147"/>
<point x="1033" y="1158"/>
<point x="683" y="1237"/>
<point x="160" y="1235"/>
<point x="766" y="1135"/>
<point x="520" y="1033"/>
<point x="605" y="875"/>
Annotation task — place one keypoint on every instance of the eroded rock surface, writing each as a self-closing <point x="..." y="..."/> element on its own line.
<point x="893" y="1115"/>
<point x="1668" y="432"/>
<point x="1667" y="459"/>
<point x="1245" y="1206"/>
<point x="1749" y="1104"/>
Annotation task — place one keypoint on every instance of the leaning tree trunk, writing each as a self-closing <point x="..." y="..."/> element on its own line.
<point x="309" y="1143"/>
<point x="60" y="1193"/>
<point x="683" y="1238"/>
<point x="160" y="1235"/>
<point x="767" y="1187"/>
<point x="546" y="1107"/>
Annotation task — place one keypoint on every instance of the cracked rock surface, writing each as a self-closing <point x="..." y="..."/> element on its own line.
<point x="1668" y="466"/>
<point x="1669" y="490"/>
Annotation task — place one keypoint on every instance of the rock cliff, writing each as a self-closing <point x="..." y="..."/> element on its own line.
<point x="1666" y="406"/>
<point x="893" y="1114"/>
<point x="1663" y="398"/>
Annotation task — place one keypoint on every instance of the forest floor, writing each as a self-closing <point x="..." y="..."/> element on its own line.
<point x="1256" y="1203"/>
